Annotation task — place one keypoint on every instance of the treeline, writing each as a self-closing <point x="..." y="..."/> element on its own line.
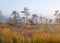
<point x="34" y="19"/>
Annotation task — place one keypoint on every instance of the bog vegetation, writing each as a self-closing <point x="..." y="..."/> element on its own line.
<point x="28" y="30"/>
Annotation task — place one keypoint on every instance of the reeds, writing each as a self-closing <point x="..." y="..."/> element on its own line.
<point x="7" y="35"/>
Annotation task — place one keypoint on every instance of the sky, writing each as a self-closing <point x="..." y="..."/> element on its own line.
<point x="40" y="7"/>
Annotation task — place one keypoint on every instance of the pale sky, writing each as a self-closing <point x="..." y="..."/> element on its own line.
<point x="43" y="7"/>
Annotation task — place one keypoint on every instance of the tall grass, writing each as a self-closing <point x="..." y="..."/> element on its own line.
<point x="9" y="36"/>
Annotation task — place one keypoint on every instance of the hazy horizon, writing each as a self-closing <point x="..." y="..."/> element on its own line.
<point x="40" y="7"/>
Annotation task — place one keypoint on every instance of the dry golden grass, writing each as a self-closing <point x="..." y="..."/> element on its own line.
<point x="26" y="26"/>
<point x="43" y="34"/>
